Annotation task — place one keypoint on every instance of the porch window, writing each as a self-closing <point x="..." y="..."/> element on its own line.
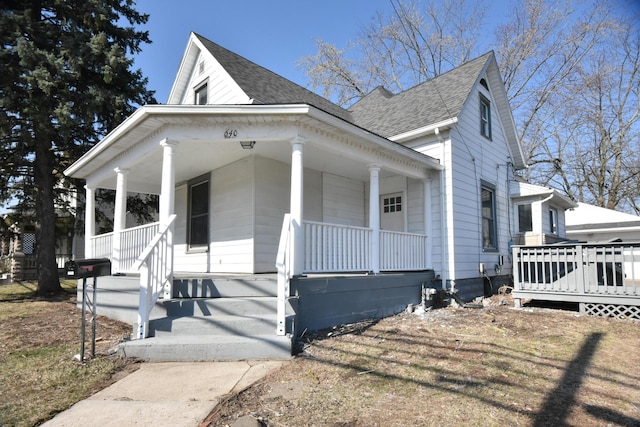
<point x="525" y="218"/>
<point x="198" y="231"/>
<point x="392" y="204"/>
<point x="485" y="117"/>
<point x="553" y="221"/>
<point x="489" y="229"/>
<point x="201" y="95"/>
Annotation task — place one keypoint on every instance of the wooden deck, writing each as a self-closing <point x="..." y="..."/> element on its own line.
<point x="603" y="279"/>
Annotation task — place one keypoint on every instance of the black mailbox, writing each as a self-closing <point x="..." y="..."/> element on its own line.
<point x="92" y="267"/>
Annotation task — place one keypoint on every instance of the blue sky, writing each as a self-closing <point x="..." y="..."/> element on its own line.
<point x="271" y="33"/>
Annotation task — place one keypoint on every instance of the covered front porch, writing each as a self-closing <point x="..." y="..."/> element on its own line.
<point x="318" y="182"/>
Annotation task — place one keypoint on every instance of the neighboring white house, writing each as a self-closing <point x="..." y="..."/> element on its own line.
<point x="237" y="147"/>
<point x="593" y="224"/>
<point x="538" y="214"/>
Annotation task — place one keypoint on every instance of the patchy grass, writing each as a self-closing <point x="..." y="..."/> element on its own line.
<point x="491" y="367"/>
<point x="38" y="341"/>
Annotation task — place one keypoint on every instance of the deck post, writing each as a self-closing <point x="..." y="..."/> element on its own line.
<point x="119" y="216"/>
<point x="297" y="203"/>
<point x="89" y="221"/>
<point x="374" y="216"/>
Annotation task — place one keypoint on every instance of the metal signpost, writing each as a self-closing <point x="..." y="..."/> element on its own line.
<point x="83" y="269"/>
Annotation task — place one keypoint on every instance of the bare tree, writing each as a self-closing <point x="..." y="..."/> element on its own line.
<point x="398" y="51"/>
<point x="539" y="50"/>
<point x="597" y="130"/>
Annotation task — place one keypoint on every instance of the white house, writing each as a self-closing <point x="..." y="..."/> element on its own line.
<point x="257" y="174"/>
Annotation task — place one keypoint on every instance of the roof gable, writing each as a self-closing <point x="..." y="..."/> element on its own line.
<point x="258" y="84"/>
<point x="433" y="101"/>
<point x="199" y="67"/>
<point x="438" y="100"/>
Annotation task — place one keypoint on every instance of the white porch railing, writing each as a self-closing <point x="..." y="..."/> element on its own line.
<point x="132" y="240"/>
<point x="336" y="248"/>
<point x="580" y="272"/>
<point x="102" y="246"/>
<point x="283" y="266"/>
<point x="156" y="273"/>
<point x="402" y="251"/>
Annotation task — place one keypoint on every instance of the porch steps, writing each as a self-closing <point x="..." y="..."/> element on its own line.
<point x="214" y="318"/>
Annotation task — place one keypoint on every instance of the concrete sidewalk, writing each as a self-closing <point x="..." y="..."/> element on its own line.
<point x="171" y="394"/>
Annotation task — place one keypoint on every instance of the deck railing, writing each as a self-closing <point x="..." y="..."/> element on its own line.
<point x="156" y="273"/>
<point x="581" y="270"/>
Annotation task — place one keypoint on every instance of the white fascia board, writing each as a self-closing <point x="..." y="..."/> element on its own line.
<point x="423" y="131"/>
<point x="160" y="111"/>
<point x="108" y="140"/>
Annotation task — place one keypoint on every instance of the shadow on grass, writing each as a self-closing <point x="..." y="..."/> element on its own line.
<point x="559" y="402"/>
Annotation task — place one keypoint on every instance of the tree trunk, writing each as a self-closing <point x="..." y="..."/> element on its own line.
<point x="48" y="281"/>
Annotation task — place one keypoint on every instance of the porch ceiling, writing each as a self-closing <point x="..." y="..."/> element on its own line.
<point x="331" y="145"/>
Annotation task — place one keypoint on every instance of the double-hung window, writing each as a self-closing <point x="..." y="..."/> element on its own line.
<point x="485" y="117"/>
<point x="198" y="226"/>
<point x="489" y="228"/>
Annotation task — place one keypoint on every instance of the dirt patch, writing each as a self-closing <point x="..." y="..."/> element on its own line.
<point x="455" y="366"/>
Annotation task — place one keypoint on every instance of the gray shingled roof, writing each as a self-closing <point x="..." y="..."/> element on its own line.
<point x="431" y="102"/>
<point x="267" y="87"/>
<point x="380" y="112"/>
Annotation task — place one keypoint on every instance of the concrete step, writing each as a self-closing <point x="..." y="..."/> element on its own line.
<point x="264" y="306"/>
<point x="225" y="287"/>
<point x="208" y="348"/>
<point x="223" y="325"/>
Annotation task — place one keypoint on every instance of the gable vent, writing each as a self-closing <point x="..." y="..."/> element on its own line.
<point x="484" y="84"/>
<point x="201" y="67"/>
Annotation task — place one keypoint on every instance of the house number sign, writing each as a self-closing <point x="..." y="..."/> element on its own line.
<point x="230" y="133"/>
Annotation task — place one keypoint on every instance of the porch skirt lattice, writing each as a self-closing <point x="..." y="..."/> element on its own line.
<point x="610" y="310"/>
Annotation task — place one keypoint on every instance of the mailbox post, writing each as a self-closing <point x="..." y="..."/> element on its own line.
<point x="83" y="269"/>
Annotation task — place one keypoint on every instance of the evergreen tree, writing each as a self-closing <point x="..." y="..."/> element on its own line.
<point x="66" y="80"/>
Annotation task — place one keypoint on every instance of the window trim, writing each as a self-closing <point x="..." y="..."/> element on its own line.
<point x="202" y="87"/>
<point x="553" y="220"/>
<point x="485" y="122"/>
<point x="485" y="186"/>
<point x="200" y="180"/>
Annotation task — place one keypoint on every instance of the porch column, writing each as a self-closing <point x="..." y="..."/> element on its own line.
<point x="374" y="217"/>
<point x="119" y="216"/>
<point x="296" y="206"/>
<point x="428" y="220"/>
<point x="168" y="188"/>
<point x="89" y="220"/>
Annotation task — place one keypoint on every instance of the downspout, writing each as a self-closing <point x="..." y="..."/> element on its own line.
<point x="443" y="227"/>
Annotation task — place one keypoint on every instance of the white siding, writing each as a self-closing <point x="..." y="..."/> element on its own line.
<point x="271" y="202"/>
<point x="343" y="200"/>
<point x="476" y="159"/>
<point x="231" y="217"/>
<point x="220" y="87"/>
